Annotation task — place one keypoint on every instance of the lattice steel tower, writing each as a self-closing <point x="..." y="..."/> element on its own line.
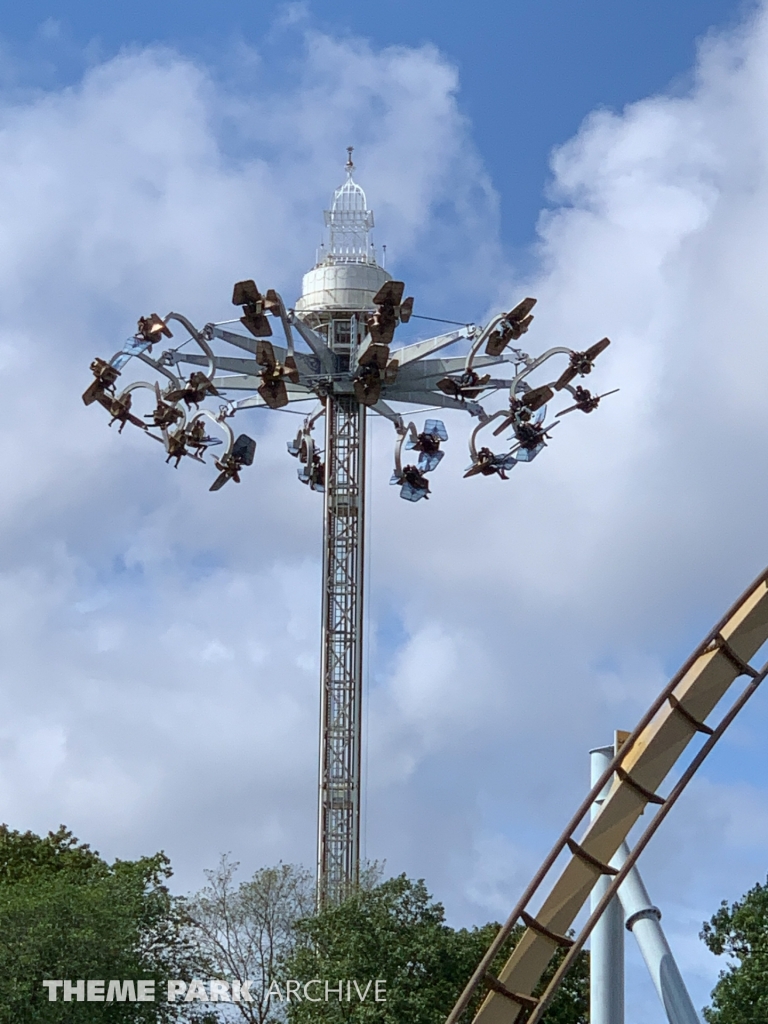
<point x="336" y="296"/>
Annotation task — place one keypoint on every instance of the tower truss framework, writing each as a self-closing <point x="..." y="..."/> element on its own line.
<point x="341" y="696"/>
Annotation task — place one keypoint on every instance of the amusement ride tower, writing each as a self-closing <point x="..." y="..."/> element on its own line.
<point x="336" y="295"/>
<point x="346" y="318"/>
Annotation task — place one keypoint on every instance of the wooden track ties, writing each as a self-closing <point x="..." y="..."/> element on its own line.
<point x="581" y="853"/>
<point x="536" y="926"/>
<point x="528" y="1002"/>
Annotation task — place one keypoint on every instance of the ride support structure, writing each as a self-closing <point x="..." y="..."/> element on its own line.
<point x="341" y="688"/>
<point x="631" y="910"/>
<point x="633" y="774"/>
<point x="606" y="955"/>
<point x="339" y="354"/>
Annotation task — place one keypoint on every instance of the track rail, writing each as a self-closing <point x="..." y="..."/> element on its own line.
<point x="645" y="759"/>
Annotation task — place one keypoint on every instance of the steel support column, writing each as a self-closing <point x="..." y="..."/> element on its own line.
<point x="643" y="919"/>
<point x="342" y="653"/>
<point x="606" y="970"/>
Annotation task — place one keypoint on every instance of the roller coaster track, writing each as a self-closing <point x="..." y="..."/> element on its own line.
<point x="650" y="752"/>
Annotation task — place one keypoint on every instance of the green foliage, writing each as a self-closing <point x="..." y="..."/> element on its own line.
<point x="395" y="932"/>
<point x="67" y="913"/>
<point x="246" y="929"/>
<point x="741" y="932"/>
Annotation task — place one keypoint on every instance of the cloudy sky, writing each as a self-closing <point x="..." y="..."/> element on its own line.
<point x="159" y="677"/>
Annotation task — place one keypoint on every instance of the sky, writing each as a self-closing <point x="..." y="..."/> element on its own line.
<point x="159" y="680"/>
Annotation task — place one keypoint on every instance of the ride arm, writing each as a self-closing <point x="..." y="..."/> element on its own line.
<point x="284" y="320"/>
<point x="388" y="413"/>
<point x="419" y="349"/>
<point x="305" y="364"/>
<point x="249" y="382"/>
<point x="315" y="341"/>
<point x="240" y="340"/>
<point x="533" y="364"/>
<point x="402" y="432"/>
<point x="419" y="396"/>
<point x="257" y="402"/>
<point x="486" y="421"/>
<point x="199" y="338"/>
<point x="470" y="360"/>
<point x="158" y="366"/>
<point x="437" y="368"/>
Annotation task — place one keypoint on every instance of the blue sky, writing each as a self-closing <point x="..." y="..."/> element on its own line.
<point x="159" y="679"/>
<point x="530" y="70"/>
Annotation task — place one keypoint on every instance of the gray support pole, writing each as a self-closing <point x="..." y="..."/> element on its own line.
<point x="606" y="973"/>
<point x="642" y="919"/>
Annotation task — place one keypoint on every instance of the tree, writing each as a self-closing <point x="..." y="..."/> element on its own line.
<point x="66" y="913"/>
<point x="246" y="931"/>
<point x="741" y="932"/>
<point x="396" y="933"/>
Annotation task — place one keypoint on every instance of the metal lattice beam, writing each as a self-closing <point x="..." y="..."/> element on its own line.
<point x="342" y="654"/>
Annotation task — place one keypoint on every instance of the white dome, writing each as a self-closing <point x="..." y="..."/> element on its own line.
<point x="347" y="286"/>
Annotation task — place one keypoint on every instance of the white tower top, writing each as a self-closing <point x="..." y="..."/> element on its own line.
<point x="349" y="222"/>
<point x="346" y="275"/>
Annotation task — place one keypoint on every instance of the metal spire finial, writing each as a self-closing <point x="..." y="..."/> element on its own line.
<point x="350" y="221"/>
